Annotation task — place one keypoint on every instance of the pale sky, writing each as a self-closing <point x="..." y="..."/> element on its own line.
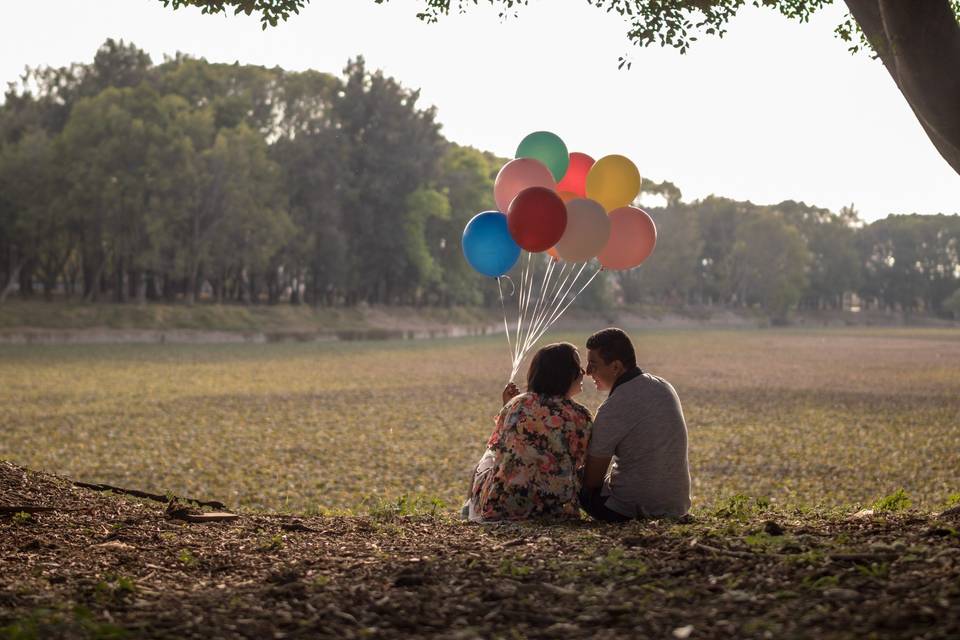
<point x="773" y="111"/>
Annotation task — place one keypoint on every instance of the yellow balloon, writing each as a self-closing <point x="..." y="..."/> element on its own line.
<point x="613" y="181"/>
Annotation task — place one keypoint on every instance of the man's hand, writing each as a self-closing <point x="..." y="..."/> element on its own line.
<point x="595" y="471"/>
<point x="510" y="392"/>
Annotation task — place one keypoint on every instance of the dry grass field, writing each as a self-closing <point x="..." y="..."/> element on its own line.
<point x="813" y="418"/>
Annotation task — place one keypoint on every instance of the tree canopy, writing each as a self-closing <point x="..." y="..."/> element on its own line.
<point x="121" y="179"/>
<point x="917" y="42"/>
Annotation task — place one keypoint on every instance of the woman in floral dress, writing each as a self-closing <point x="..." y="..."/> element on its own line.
<point x="539" y="442"/>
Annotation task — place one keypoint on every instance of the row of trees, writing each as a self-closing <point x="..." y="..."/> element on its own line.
<point x="793" y="255"/>
<point x="122" y="179"/>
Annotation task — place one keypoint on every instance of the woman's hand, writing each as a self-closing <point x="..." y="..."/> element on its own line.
<point x="510" y="392"/>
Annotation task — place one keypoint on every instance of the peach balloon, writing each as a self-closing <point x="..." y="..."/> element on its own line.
<point x="587" y="232"/>
<point x="517" y="175"/>
<point x="633" y="235"/>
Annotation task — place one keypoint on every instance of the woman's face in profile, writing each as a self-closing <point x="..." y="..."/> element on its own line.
<point x="577" y="386"/>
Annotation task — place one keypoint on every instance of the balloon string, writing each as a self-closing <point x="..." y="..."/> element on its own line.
<point x="558" y="301"/>
<point x="533" y="332"/>
<point x="523" y="279"/>
<point x="506" y="329"/>
<point x="522" y="303"/>
<point x="513" y="287"/>
<point x="528" y="311"/>
<point x="564" y="292"/>
<point x="552" y="294"/>
<point x="540" y="296"/>
<point x="528" y="286"/>
<point x="539" y="308"/>
<point x="562" y="311"/>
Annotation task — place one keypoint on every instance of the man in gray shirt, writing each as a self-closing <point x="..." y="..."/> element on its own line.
<point x="637" y="458"/>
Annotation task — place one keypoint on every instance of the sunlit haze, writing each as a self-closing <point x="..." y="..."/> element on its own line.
<point x="776" y="110"/>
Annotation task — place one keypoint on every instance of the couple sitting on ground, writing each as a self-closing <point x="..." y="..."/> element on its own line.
<point x="548" y="457"/>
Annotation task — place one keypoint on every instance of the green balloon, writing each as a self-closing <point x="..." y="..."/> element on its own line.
<point x="549" y="149"/>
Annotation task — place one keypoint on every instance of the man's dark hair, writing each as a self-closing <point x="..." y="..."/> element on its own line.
<point x="613" y="344"/>
<point x="553" y="369"/>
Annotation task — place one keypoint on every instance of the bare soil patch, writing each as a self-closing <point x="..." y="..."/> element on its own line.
<point x="98" y="565"/>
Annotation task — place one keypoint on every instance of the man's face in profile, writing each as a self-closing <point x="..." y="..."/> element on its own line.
<point x="604" y="374"/>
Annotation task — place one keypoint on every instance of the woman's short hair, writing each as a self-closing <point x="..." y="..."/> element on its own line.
<point x="613" y="344"/>
<point x="553" y="369"/>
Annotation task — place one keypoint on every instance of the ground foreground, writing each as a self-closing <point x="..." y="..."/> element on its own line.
<point x="99" y="565"/>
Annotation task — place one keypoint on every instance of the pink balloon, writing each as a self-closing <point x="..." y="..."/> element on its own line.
<point x="632" y="239"/>
<point x="517" y="175"/>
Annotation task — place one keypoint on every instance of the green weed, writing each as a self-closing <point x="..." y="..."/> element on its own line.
<point x="617" y="564"/>
<point x="896" y="501"/>
<point x="115" y="587"/>
<point x="405" y="505"/>
<point x="876" y="570"/>
<point x="273" y="543"/>
<point x="741" y="507"/>
<point x="821" y="582"/>
<point x="48" y="623"/>
<point x="511" y="569"/>
<point x="186" y="558"/>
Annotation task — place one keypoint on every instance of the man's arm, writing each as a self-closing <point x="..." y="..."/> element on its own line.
<point x="595" y="471"/>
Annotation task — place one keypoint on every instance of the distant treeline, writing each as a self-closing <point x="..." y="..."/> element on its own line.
<point x="125" y="180"/>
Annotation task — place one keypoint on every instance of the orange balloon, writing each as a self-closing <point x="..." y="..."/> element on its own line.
<point x="633" y="235"/>
<point x="552" y="251"/>
<point x="567" y="196"/>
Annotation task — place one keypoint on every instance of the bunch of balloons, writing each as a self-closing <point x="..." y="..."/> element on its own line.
<point x="571" y="207"/>
<point x="566" y="204"/>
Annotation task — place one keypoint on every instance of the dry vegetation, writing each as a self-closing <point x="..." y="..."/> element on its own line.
<point x="813" y="418"/>
<point x="812" y="424"/>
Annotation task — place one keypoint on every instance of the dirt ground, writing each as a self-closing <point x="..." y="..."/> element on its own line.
<point x="104" y="565"/>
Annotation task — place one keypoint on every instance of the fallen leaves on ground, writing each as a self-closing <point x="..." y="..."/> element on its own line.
<point x="104" y="565"/>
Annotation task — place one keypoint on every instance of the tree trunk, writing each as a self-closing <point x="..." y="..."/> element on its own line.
<point x="191" y="284"/>
<point x="141" y="288"/>
<point x="272" y="289"/>
<point x="95" y="281"/>
<point x="68" y="283"/>
<point x="295" y="289"/>
<point x="26" y="278"/>
<point x="151" y="285"/>
<point x="134" y="277"/>
<point x="12" y="280"/>
<point x="121" y="293"/>
<point x="168" y="293"/>
<point x="919" y="44"/>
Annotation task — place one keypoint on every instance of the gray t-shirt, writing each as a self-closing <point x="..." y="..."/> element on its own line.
<point x="641" y="425"/>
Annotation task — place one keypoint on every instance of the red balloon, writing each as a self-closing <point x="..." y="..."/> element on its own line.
<point x="633" y="235"/>
<point x="575" y="179"/>
<point x="537" y="218"/>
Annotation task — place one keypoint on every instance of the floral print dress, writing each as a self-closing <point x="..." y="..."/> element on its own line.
<point x="530" y="468"/>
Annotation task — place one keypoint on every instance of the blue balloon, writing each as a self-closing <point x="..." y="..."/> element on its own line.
<point x="487" y="244"/>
